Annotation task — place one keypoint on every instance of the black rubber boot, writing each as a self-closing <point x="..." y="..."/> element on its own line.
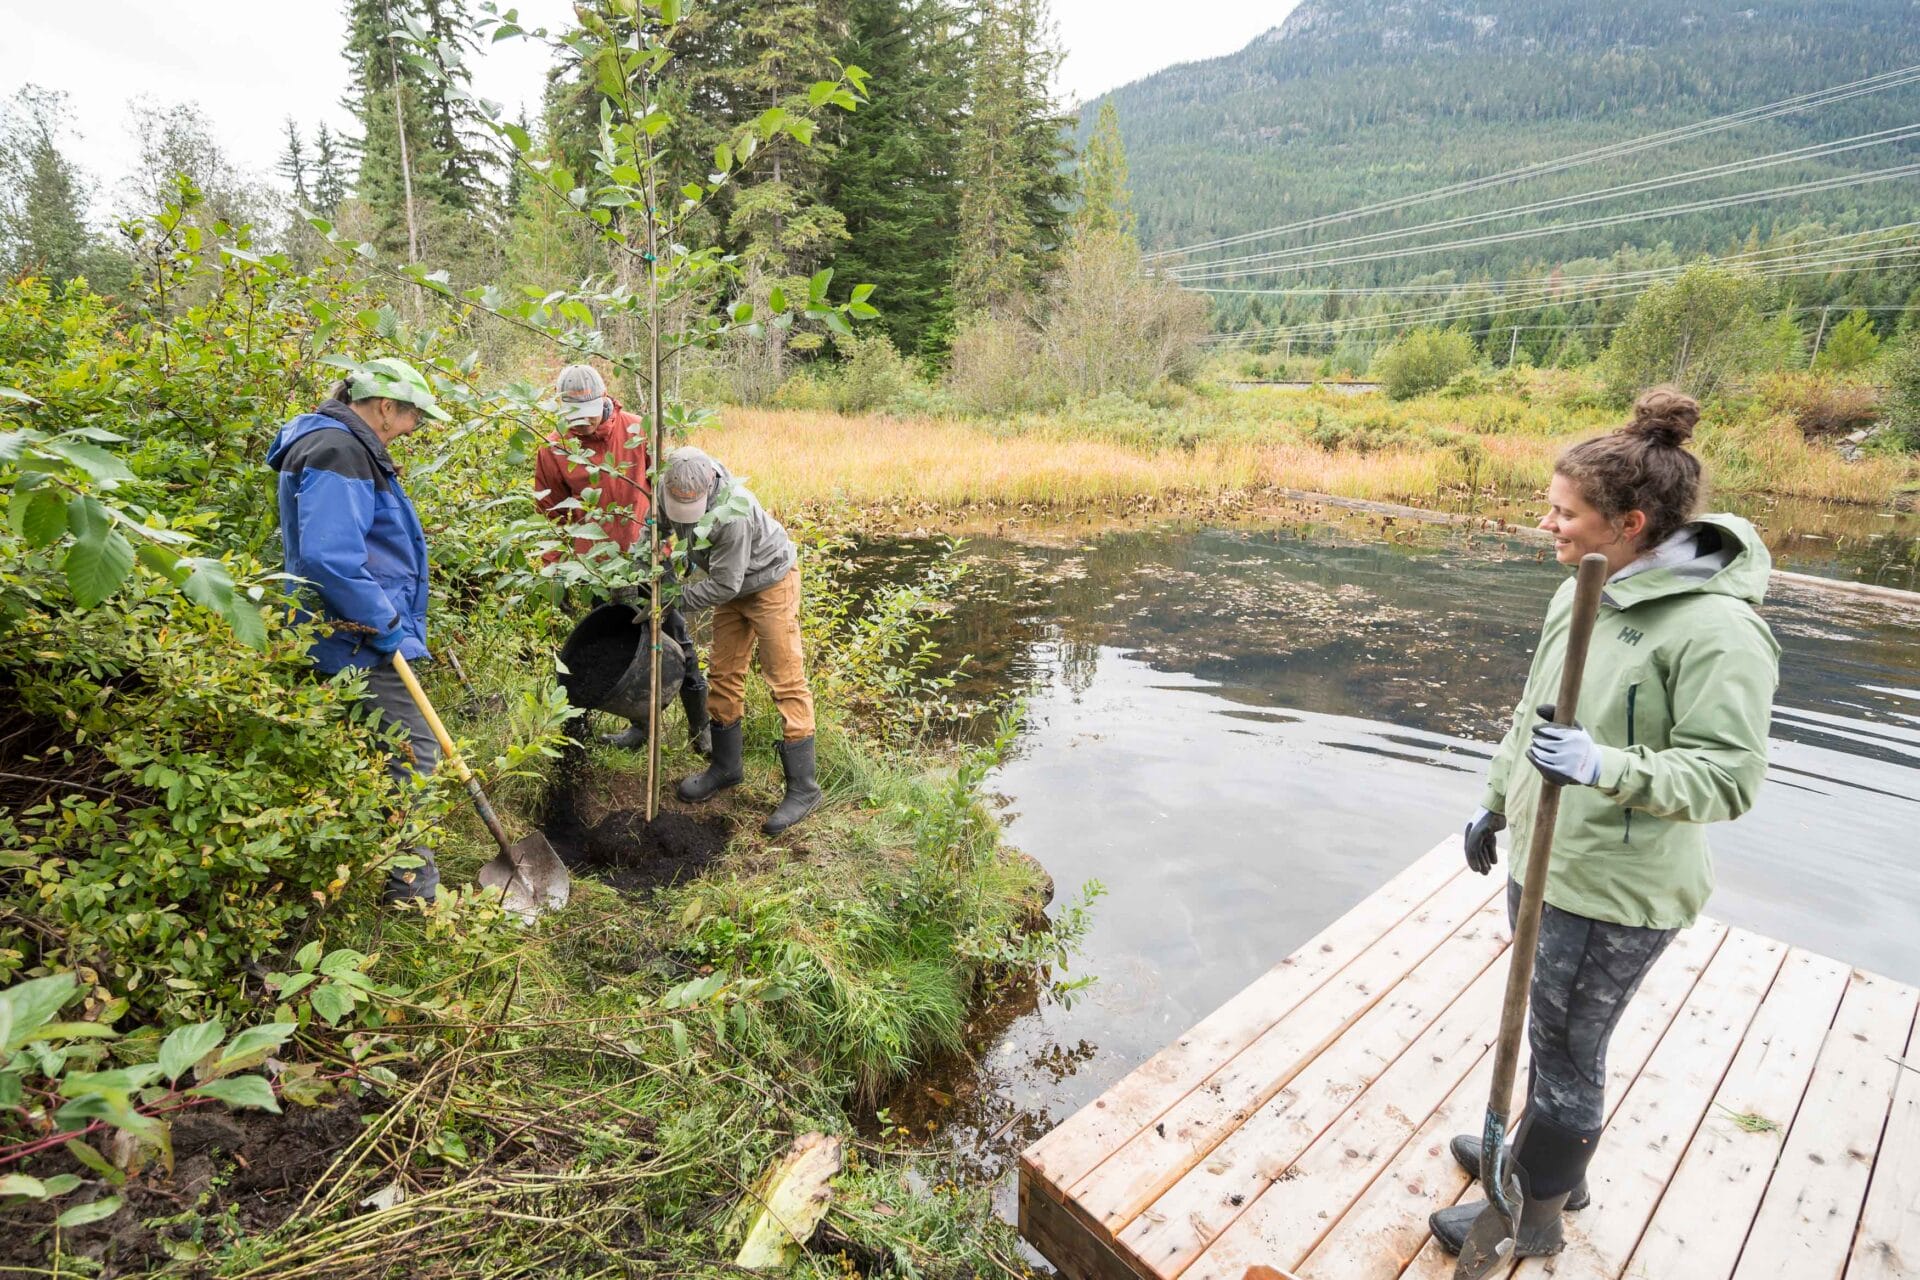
<point x="724" y="772"/>
<point x="632" y="738"/>
<point x="1549" y="1161"/>
<point x="803" y="794"/>
<point x="699" y="728"/>
<point x="1466" y="1153"/>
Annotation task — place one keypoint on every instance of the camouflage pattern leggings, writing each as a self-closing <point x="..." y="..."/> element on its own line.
<point x="1584" y="973"/>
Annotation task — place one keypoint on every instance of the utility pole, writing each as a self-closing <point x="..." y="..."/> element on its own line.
<point x="1513" y="348"/>
<point x="1818" y="336"/>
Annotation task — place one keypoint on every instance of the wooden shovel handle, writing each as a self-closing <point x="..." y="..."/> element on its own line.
<point x="1533" y="889"/>
<point x="450" y="753"/>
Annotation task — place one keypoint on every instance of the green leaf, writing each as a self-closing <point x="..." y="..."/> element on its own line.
<point x="187" y="1045"/>
<point x="669" y="12"/>
<point x="861" y="292"/>
<point x="817" y="286"/>
<point x="838" y="323"/>
<point x="742" y="312"/>
<point x="818" y="92"/>
<point x="100" y="559"/>
<point x="41" y="516"/>
<point x="81" y="1214"/>
<point x="105" y="469"/>
<point x="16" y="395"/>
<point x="27" y="1006"/>
<point x="209" y="585"/>
<point x="863" y="310"/>
<point x="239" y="1091"/>
<point x="723" y="157"/>
<point x="331" y="1002"/>
<point x="86" y="1155"/>
<point x="309" y="955"/>
<point x="777" y="300"/>
<point x="343" y="961"/>
<point x="692" y="191"/>
<point x="121" y="1080"/>
<point x="19" y="1184"/>
<point x="10" y="1090"/>
<point x="254" y="1044"/>
<point x="61" y="1183"/>
<point x="518" y="137"/>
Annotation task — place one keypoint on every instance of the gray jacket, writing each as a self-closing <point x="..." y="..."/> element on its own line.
<point x="737" y="545"/>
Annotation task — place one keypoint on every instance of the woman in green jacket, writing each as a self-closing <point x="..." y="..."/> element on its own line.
<point x="1675" y="706"/>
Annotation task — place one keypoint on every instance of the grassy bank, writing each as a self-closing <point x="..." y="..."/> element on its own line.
<point x="1490" y="445"/>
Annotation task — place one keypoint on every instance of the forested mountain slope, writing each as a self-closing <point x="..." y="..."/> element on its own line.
<point x="1354" y="101"/>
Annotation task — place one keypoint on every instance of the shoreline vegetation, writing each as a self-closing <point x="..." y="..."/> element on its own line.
<point x="1485" y="449"/>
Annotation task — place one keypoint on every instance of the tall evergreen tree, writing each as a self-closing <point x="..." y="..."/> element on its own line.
<point x="329" y="175"/>
<point x="891" y="174"/>
<point x="293" y="166"/>
<point x="1106" y="203"/>
<point x="43" y="229"/>
<point x="1014" y="190"/>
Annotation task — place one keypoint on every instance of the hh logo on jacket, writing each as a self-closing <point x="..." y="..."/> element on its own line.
<point x="1630" y="636"/>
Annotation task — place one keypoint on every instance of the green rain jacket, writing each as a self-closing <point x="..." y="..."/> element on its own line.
<point x="1678" y="693"/>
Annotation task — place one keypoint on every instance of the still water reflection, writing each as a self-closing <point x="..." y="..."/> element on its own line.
<point x="1242" y="733"/>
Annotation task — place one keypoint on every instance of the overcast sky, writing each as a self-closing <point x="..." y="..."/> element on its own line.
<point x="252" y="63"/>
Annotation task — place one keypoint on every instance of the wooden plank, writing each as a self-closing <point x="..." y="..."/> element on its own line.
<point x="1097" y="1130"/>
<point x="1065" y="1241"/>
<point x="1888" y="1246"/>
<point x="1704" y="1215"/>
<point x="1170" y="1233"/>
<point x="1293" y="1207"/>
<point x="1663" y="1109"/>
<point x="1159" y="1156"/>
<point x="1386" y="1231"/>
<point x="1805" y="1225"/>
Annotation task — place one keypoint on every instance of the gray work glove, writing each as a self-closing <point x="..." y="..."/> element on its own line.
<point x="1481" y="854"/>
<point x="1565" y="754"/>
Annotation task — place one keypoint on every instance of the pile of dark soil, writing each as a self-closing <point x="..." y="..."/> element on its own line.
<point x="258" y="1163"/>
<point x="641" y="855"/>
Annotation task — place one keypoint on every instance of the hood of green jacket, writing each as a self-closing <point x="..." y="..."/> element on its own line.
<point x="1678" y="695"/>
<point x="1717" y="554"/>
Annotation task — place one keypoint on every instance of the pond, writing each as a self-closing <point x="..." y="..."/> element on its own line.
<point x="1241" y="733"/>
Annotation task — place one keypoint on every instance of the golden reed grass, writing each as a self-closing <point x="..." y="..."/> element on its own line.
<point x="794" y="457"/>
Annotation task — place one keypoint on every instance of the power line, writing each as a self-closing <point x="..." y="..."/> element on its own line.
<point x="1786" y="106"/>
<point x="1611" y="220"/>
<point x="1813" y="151"/>
<point x="1797" y="248"/>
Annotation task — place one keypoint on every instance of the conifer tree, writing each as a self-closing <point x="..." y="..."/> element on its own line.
<point x="1014" y="192"/>
<point x="329" y="180"/>
<point x="293" y="166"/>
<point x="1106" y="204"/>
<point x="891" y="173"/>
<point x="43" y="228"/>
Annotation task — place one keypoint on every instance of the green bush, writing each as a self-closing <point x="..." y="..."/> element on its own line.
<point x="872" y="376"/>
<point x="1424" y="360"/>
<point x="1700" y="332"/>
<point x="201" y="800"/>
<point x="1900" y="406"/>
<point x="1850" y="345"/>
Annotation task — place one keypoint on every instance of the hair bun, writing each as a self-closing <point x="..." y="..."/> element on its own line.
<point x="1664" y="416"/>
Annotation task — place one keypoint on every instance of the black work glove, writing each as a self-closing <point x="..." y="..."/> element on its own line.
<point x="1481" y="853"/>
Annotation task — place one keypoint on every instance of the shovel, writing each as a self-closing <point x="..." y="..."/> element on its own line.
<point x="1490" y="1243"/>
<point x="528" y="873"/>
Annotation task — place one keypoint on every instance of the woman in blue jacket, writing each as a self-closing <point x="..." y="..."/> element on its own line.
<point x="351" y="537"/>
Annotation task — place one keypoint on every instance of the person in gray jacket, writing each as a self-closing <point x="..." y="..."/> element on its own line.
<point x="738" y="561"/>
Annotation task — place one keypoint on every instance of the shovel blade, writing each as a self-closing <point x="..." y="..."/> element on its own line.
<point x="1489" y="1244"/>
<point x="529" y="877"/>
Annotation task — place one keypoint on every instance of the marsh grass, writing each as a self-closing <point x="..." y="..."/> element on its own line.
<point x="1482" y="440"/>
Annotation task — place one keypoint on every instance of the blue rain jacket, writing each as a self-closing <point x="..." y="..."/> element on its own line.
<point x="350" y="534"/>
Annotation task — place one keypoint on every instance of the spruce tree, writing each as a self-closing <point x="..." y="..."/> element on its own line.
<point x="386" y="98"/>
<point x="293" y="166"/>
<point x="329" y="177"/>
<point x="43" y="228"/>
<point x="1106" y="204"/>
<point x="891" y="174"/>
<point x="1014" y="190"/>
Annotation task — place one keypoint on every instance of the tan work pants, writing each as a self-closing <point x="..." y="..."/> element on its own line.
<point x="772" y="617"/>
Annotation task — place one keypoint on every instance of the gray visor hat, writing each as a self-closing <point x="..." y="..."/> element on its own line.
<point x="688" y="485"/>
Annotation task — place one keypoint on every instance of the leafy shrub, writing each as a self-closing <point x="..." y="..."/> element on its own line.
<point x="1820" y="406"/>
<point x="994" y="369"/>
<point x="1111" y="328"/>
<point x="872" y="376"/>
<point x="1424" y="360"/>
<point x="201" y="799"/>
<point x="1901" y="404"/>
<point x="1700" y="332"/>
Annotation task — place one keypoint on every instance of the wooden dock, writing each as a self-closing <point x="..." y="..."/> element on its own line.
<point x="1763" y="1115"/>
